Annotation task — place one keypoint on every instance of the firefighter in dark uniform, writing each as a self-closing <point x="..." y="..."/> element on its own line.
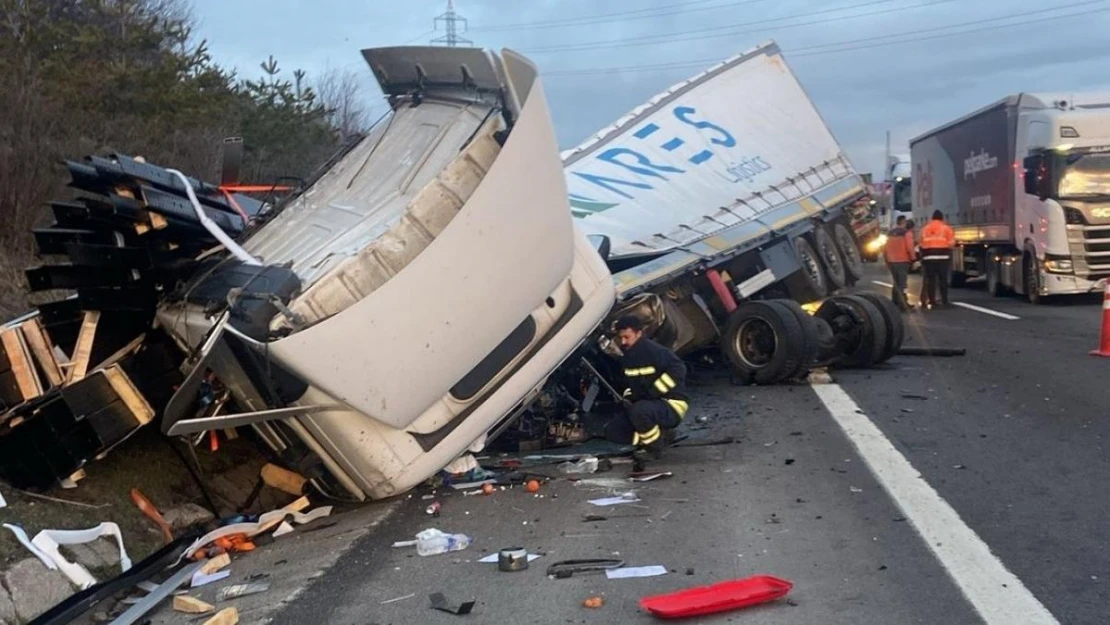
<point x="656" y="397"/>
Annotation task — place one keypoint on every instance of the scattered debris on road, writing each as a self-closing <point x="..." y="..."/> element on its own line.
<point x="940" y="352"/>
<point x="439" y="602"/>
<point x="720" y="597"/>
<point x="569" y="568"/>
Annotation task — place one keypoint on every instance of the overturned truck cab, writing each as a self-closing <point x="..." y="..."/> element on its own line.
<point x="383" y="321"/>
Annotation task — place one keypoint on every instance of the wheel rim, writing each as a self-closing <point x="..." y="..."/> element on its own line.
<point x="755" y="343"/>
<point x="852" y="259"/>
<point x="811" y="266"/>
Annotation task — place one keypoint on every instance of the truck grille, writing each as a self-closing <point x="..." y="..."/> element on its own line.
<point x="1090" y="250"/>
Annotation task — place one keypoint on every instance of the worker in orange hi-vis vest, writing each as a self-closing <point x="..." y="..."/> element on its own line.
<point x="899" y="254"/>
<point x="937" y="242"/>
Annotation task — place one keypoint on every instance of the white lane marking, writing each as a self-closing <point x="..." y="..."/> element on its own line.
<point x="996" y="594"/>
<point x="986" y="311"/>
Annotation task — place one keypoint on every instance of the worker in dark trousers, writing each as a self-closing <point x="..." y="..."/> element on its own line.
<point x="937" y="243"/>
<point x="655" y="398"/>
<point x="899" y="254"/>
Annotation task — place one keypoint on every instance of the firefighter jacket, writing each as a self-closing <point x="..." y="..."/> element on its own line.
<point x="655" y="372"/>
<point x="937" y="239"/>
<point x="899" y="246"/>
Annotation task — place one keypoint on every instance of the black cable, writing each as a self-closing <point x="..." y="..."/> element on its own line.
<point x="194" y="473"/>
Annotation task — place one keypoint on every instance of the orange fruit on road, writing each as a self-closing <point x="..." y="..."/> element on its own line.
<point x="532" y="486"/>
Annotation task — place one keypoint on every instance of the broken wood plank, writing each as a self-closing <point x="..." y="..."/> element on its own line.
<point x="215" y="564"/>
<point x="83" y="350"/>
<point x="129" y="395"/>
<point x="191" y="605"/>
<point x="283" y="479"/>
<point x="23" y="367"/>
<point x="122" y="352"/>
<point x="226" y="616"/>
<point x="42" y="348"/>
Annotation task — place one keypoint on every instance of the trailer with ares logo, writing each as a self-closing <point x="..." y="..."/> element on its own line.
<point x="730" y="218"/>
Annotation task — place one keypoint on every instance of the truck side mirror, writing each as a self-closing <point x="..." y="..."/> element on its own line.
<point x="1032" y="166"/>
<point x="601" y="244"/>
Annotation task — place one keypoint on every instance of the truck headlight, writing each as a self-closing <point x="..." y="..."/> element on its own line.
<point x="1058" y="265"/>
<point x="876" y="244"/>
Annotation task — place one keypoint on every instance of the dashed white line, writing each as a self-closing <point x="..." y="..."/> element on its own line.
<point x="986" y="311"/>
<point x="997" y="595"/>
<point x="886" y="284"/>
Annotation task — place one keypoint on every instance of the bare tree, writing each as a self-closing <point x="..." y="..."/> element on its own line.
<point x="338" y="90"/>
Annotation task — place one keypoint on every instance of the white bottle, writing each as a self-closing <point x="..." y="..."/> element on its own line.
<point x="432" y="541"/>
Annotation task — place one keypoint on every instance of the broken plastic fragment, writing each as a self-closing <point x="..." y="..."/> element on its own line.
<point x="49" y="540"/>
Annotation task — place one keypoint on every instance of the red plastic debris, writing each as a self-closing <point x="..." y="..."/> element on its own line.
<point x="721" y="597"/>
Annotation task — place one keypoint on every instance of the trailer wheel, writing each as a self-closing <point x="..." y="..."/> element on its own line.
<point x="808" y="283"/>
<point x="866" y="341"/>
<point x="763" y="342"/>
<point x="895" y="328"/>
<point x="957" y="279"/>
<point x="848" y="244"/>
<point x="809" y="339"/>
<point x="830" y="257"/>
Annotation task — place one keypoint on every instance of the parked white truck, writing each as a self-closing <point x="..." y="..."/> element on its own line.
<point x="724" y="203"/>
<point x="1025" y="184"/>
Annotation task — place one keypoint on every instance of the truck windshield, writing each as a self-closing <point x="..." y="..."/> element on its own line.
<point x="902" y="196"/>
<point x="1085" y="175"/>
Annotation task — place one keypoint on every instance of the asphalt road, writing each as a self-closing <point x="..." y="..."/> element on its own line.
<point x="1008" y="441"/>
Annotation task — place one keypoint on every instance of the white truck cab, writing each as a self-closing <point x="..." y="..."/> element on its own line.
<point x="440" y="279"/>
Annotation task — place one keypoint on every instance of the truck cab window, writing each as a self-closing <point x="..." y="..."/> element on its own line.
<point x="1085" y="176"/>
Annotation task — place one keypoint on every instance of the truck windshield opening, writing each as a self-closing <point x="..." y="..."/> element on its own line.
<point x="1085" y="175"/>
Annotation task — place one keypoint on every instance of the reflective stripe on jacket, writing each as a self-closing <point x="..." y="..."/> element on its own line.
<point x="655" y="372"/>
<point x="937" y="235"/>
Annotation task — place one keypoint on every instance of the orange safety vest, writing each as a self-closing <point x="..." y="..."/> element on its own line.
<point x="899" y="246"/>
<point x="937" y="235"/>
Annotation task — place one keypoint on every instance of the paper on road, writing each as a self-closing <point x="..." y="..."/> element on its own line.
<point x="612" y="501"/>
<point x="200" y="579"/>
<point x="636" y="571"/>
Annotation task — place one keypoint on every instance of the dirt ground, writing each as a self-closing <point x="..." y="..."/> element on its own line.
<point x="147" y="462"/>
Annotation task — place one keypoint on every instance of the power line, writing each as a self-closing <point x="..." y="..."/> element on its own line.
<point x="619" y="16"/>
<point x="867" y="42"/>
<point x="451" y="21"/>
<point x="671" y="37"/>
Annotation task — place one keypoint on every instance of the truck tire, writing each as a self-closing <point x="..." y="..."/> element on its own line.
<point x="830" y="258"/>
<point x="809" y="282"/>
<point x="957" y="279"/>
<point x="1032" y="279"/>
<point x="763" y="342"/>
<point x="995" y="288"/>
<point x="848" y="245"/>
<point x="809" y="343"/>
<point x="867" y="341"/>
<point x="895" y="328"/>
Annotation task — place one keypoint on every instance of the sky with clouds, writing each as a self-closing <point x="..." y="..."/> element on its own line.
<point x="869" y="65"/>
